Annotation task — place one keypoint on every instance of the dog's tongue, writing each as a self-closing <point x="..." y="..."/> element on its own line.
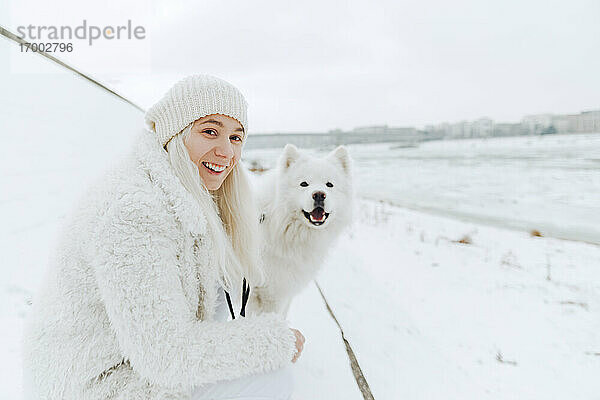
<point x="317" y="214"/>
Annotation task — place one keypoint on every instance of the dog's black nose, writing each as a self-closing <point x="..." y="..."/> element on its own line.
<point x="318" y="196"/>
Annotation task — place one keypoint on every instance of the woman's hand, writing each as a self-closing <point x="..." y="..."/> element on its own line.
<point x="299" y="344"/>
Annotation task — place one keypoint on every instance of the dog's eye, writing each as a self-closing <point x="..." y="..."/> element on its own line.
<point x="329" y="184"/>
<point x="303" y="184"/>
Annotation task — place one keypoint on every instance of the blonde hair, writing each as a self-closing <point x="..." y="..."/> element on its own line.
<point x="230" y="214"/>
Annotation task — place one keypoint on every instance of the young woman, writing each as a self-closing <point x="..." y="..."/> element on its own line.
<point x="133" y="304"/>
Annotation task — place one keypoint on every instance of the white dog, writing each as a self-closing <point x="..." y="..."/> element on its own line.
<point x="305" y="203"/>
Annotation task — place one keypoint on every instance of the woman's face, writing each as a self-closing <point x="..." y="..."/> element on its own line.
<point x="215" y="145"/>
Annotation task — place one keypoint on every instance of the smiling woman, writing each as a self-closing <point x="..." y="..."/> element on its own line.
<point x="133" y="304"/>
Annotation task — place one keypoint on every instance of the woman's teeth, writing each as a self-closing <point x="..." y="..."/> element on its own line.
<point x="214" y="167"/>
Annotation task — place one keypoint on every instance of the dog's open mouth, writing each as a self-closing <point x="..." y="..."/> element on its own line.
<point x="317" y="216"/>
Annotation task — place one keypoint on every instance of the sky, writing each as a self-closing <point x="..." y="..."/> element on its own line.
<point x="315" y="66"/>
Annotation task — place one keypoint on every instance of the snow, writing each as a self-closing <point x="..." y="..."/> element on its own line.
<point x="323" y="370"/>
<point x="505" y="316"/>
<point x="428" y="317"/>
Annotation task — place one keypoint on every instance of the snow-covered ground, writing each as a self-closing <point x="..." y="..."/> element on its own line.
<point x="506" y="316"/>
<point x="502" y="316"/>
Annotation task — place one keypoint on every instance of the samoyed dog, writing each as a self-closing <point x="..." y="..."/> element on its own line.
<point x="305" y="203"/>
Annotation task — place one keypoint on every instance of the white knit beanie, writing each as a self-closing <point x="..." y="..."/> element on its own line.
<point x="192" y="98"/>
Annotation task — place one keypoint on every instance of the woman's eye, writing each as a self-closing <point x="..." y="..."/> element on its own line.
<point x="329" y="184"/>
<point x="236" y="138"/>
<point x="303" y="184"/>
<point x="211" y="132"/>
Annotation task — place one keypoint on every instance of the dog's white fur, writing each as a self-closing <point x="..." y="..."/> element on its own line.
<point x="293" y="249"/>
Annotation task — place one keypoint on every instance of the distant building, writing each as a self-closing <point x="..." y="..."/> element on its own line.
<point x="402" y="131"/>
<point x="537" y="123"/>
<point x="384" y="129"/>
<point x="585" y="122"/>
<point x="482" y="127"/>
<point x="561" y="123"/>
<point x="305" y="140"/>
<point x="338" y="137"/>
<point x="371" y="129"/>
<point x="442" y="129"/>
<point x="460" y="130"/>
<point x="507" y="129"/>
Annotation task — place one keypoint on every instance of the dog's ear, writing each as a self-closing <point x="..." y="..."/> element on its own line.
<point x="341" y="155"/>
<point x="289" y="156"/>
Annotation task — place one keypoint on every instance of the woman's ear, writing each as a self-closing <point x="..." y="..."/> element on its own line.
<point x="341" y="155"/>
<point x="289" y="156"/>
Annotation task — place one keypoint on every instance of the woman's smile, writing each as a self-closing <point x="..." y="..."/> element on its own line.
<point x="213" y="168"/>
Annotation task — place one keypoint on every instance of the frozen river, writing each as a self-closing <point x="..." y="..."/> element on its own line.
<point x="547" y="183"/>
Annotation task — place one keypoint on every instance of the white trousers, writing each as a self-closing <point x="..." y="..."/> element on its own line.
<point x="274" y="385"/>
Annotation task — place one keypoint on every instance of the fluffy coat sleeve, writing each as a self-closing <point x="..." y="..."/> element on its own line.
<point x="136" y="271"/>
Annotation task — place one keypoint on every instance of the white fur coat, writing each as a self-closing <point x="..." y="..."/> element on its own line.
<point x="126" y="308"/>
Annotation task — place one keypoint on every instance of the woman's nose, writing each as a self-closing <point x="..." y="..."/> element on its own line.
<point x="225" y="149"/>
